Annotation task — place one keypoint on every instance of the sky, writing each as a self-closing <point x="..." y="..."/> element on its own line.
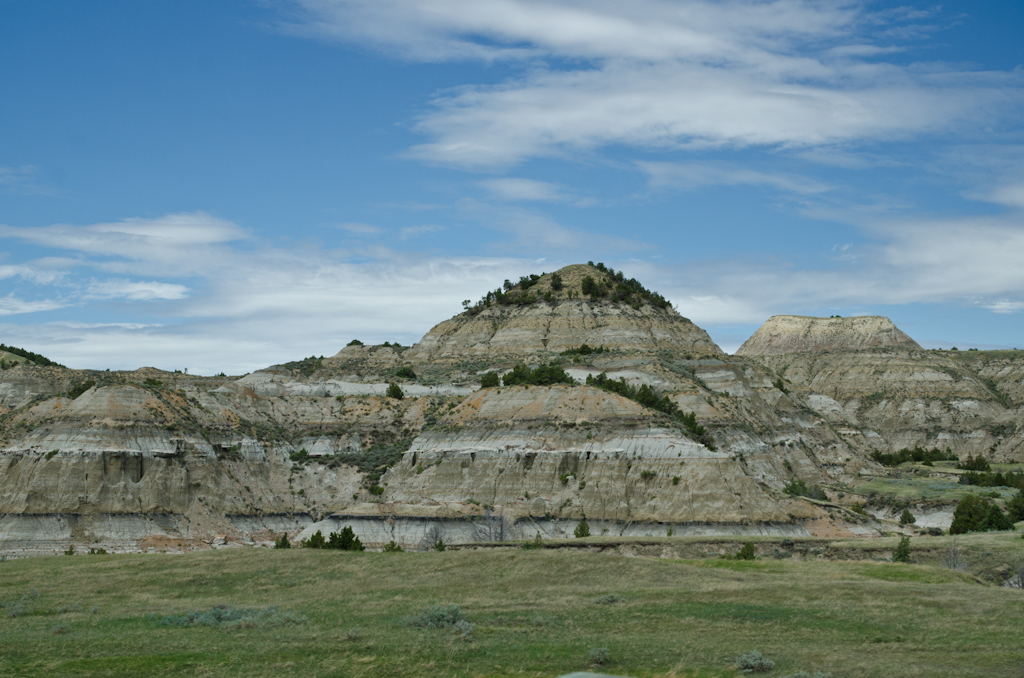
<point x="222" y="186"/>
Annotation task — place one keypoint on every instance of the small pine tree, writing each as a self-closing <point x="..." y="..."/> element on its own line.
<point x="439" y="546"/>
<point x="901" y="554"/>
<point x="394" y="391"/>
<point x="1015" y="507"/>
<point x="317" y="541"/>
<point x="282" y="542"/>
<point x="582" y="529"/>
<point x="997" y="520"/>
<point x="747" y="552"/>
<point x="490" y="380"/>
<point x="970" y="515"/>
<point x="907" y="518"/>
<point x="392" y="547"/>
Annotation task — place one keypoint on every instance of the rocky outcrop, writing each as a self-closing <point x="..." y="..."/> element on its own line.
<point x="783" y="334"/>
<point x="565" y="320"/>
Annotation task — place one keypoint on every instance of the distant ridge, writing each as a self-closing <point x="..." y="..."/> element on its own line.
<point x="783" y="334"/>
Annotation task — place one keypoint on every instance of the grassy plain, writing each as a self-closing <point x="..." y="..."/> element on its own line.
<point x="535" y="610"/>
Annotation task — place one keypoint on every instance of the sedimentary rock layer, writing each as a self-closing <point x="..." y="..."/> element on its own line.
<point x="794" y="334"/>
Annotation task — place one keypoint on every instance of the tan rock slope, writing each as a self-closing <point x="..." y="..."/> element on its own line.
<point x="562" y="319"/>
<point x="783" y="334"/>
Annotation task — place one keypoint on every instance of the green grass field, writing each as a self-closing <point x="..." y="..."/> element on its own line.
<point x="535" y="613"/>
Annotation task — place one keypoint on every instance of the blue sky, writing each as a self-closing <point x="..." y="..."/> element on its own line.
<point x="223" y="186"/>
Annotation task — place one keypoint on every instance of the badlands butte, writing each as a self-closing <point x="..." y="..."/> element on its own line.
<point x="150" y="459"/>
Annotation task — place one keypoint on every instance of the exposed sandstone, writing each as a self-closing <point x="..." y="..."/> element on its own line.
<point x="783" y="334"/>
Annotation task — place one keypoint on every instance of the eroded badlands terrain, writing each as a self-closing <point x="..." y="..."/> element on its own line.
<point x="151" y="459"/>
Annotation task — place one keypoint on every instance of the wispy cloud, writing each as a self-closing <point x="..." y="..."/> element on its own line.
<point x="12" y="305"/>
<point x="360" y="229"/>
<point x="413" y="231"/>
<point x="519" y="189"/>
<point x="667" y="75"/>
<point x="135" y="291"/>
<point x="694" y="175"/>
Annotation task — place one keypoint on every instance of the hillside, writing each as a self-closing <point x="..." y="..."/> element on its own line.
<point x="783" y="334"/>
<point x="119" y="458"/>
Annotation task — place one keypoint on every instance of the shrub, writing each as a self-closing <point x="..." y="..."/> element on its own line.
<point x="907" y="518"/>
<point x="394" y="391"/>
<point x="970" y="515"/>
<point x="997" y="520"/>
<point x="543" y="375"/>
<point x="353" y="634"/>
<point x="437" y="617"/>
<point x="233" y="617"/>
<point x="754" y="662"/>
<point x="346" y="540"/>
<point x="799" y="488"/>
<point x="556" y="282"/>
<point x="439" y="546"/>
<point x="300" y="456"/>
<point x="376" y="490"/>
<point x="648" y="475"/>
<point x="954" y="557"/>
<point x="70" y="551"/>
<point x="392" y="547"/>
<point x="155" y="383"/>
<point x="282" y="542"/>
<point x="406" y="373"/>
<point x="901" y="554"/>
<point x="598" y="655"/>
<point x="859" y="509"/>
<point x="60" y="629"/>
<point x="918" y="454"/>
<point x="582" y="529"/>
<point x="537" y="543"/>
<point x="675" y="480"/>
<point x="354" y="342"/>
<point x="747" y="552"/>
<point x="972" y="463"/>
<point x="1015" y="507"/>
<point x="490" y="380"/>
<point x="317" y="541"/>
<point x="80" y="388"/>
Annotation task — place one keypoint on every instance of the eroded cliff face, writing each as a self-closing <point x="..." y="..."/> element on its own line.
<point x="783" y="334"/>
<point x="119" y="458"/>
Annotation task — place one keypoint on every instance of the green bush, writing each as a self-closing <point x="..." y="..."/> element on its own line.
<point x="490" y="380"/>
<point x="437" y="617"/>
<point x="970" y="515"/>
<point x="394" y="391"/>
<point x="439" y="546"/>
<point x="799" y="488"/>
<point x="232" y="617"/>
<point x="907" y="518"/>
<point x="282" y="542"/>
<point x="754" y="662"/>
<point x="354" y="342"/>
<point x="972" y="463"/>
<point x="300" y="456"/>
<point x="609" y="599"/>
<point x="317" y="541"/>
<point x="392" y="547"/>
<point x="675" y="480"/>
<point x="1015" y="507"/>
<point x="997" y="520"/>
<point x="747" y="552"/>
<point x="582" y="529"/>
<point x="918" y="454"/>
<point x="901" y="554"/>
<point x="346" y="540"/>
<point x="598" y="655"/>
<point x="543" y="375"/>
<point x="406" y="373"/>
<point x="556" y="282"/>
<point x="80" y="388"/>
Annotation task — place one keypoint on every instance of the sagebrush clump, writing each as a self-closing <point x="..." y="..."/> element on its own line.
<point x="754" y="662"/>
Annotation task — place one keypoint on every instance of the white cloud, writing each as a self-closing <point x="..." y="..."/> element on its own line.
<point x="174" y="245"/>
<point x="694" y="175"/>
<point x="356" y="228"/>
<point x="135" y="291"/>
<point x="12" y="305"/>
<point x="513" y="188"/>
<point x="659" y="74"/>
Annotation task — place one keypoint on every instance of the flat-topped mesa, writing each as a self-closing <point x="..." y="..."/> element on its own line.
<point x="783" y="334"/>
<point x="578" y="304"/>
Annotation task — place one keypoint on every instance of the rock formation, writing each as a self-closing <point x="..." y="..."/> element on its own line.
<point x="795" y="334"/>
<point x="120" y="459"/>
<point x="562" y="319"/>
